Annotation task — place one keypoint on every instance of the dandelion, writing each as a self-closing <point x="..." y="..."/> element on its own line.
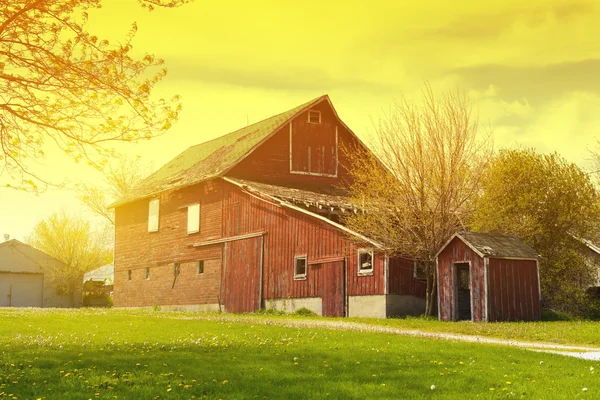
<point x="584" y="389"/>
<point x="432" y="387"/>
<point x="541" y="363"/>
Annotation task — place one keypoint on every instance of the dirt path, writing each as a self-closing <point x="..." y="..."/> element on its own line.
<point x="583" y="352"/>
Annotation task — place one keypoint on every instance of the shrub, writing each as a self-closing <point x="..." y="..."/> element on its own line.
<point x="305" y="312"/>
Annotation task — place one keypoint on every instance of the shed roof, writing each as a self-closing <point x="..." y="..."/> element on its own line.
<point x="495" y="245"/>
<point x="213" y="158"/>
<point x="105" y="273"/>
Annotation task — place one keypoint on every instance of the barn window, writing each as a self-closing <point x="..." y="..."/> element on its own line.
<point x="420" y="270"/>
<point x="199" y="267"/>
<point x="128" y="274"/>
<point x="147" y="273"/>
<point x="300" y="267"/>
<point x="153" y="207"/>
<point x="193" y="219"/>
<point x="314" y="117"/>
<point x="365" y="261"/>
<point x="176" y="269"/>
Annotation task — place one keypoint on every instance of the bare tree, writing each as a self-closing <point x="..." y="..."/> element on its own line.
<point x="73" y="241"/>
<point x="62" y="85"/>
<point x="119" y="181"/>
<point x="420" y="185"/>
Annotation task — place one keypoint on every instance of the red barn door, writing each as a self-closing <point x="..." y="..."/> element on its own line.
<point x="334" y="278"/>
<point x="241" y="286"/>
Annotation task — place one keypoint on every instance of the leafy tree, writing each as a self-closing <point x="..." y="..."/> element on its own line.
<point x="420" y="186"/>
<point x="62" y="85"/>
<point x="119" y="181"/>
<point x="73" y="241"/>
<point x="551" y="204"/>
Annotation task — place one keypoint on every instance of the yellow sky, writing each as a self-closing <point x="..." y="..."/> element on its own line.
<point x="531" y="69"/>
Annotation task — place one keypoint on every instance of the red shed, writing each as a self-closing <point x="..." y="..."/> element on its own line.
<point x="487" y="277"/>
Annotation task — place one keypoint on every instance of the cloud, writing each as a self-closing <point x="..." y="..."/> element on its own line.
<point x="272" y="77"/>
<point x="536" y="84"/>
<point x="482" y="26"/>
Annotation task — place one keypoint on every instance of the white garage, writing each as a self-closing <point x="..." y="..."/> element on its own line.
<point x="25" y="277"/>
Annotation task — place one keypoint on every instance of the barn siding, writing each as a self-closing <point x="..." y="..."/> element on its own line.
<point x="401" y="278"/>
<point x="136" y="249"/>
<point x="514" y="291"/>
<point x="271" y="161"/>
<point x="290" y="233"/>
<point x="457" y="251"/>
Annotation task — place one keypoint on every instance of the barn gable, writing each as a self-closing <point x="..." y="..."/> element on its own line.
<point x="312" y="130"/>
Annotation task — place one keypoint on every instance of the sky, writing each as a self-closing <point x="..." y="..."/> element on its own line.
<point x="529" y="68"/>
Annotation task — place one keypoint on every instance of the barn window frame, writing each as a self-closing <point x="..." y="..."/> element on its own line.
<point x="310" y="173"/>
<point x="420" y="265"/>
<point x="193" y="218"/>
<point x="200" y="267"/>
<point x="147" y="273"/>
<point x="153" y="215"/>
<point x="129" y="275"/>
<point x="317" y="119"/>
<point x="299" y="276"/>
<point x="359" y="264"/>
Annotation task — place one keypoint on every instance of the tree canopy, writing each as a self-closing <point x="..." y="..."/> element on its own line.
<point x="61" y="85"/>
<point x="420" y="185"/>
<point x="552" y="205"/>
<point x="72" y="240"/>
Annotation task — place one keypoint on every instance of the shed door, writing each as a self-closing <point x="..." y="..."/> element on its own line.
<point x="463" y="289"/>
<point x="241" y="285"/>
<point x="334" y="278"/>
<point x="21" y="290"/>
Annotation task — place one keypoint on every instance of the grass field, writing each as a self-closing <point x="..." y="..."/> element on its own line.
<point x="81" y="354"/>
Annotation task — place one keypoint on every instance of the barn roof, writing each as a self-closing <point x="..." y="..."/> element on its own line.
<point x="320" y="197"/>
<point x="213" y="158"/>
<point x="495" y="245"/>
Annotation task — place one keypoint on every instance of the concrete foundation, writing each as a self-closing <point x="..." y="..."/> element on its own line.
<point x="385" y="306"/>
<point x="185" y="307"/>
<point x="315" y="304"/>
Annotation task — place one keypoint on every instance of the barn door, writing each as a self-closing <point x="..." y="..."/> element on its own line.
<point x="334" y="278"/>
<point x="241" y="270"/>
<point x="21" y="290"/>
<point x="463" y="289"/>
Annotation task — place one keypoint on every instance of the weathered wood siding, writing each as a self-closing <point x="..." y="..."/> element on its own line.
<point x="137" y="249"/>
<point x="513" y="290"/>
<point x="313" y="150"/>
<point x="241" y="286"/>
<point x="290" y="233"/>
<point x="458" y="252"/>
<point x="401" y="278"/>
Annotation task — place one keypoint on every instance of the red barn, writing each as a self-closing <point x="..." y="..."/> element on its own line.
<point x="487" y="277"/>
<point x="253" y="219"/>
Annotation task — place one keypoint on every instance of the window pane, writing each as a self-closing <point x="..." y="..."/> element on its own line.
<point x="193" y="221"/>
<point x="153" y="208"/>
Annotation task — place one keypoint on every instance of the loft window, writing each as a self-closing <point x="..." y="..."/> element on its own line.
<point x="128" y="274"/>
<point x="314" y="117"/>
<point x="199" y="267"/>
<point x="147" y="273"/>
<point x="193" y="219"/>
<point x="300" y="267"/>
<point x="176" y="269"/>
<point x="365" y="261"/>
<point x="420" y="272"/>
<point x="153" y="207"/>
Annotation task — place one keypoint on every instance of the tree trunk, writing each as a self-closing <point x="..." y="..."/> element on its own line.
<point x="431" y="294"/>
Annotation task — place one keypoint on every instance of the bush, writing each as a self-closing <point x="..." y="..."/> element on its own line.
<point x="270" y="311"/>
<point x="305" y="312"/>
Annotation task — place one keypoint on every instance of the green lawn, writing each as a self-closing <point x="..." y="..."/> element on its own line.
<point x="122" y="354"/>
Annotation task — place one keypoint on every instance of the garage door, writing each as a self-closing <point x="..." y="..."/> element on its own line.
<point x="21" y="290"/>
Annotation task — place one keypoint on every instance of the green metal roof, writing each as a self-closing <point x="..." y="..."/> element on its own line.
<point x="211" y="159"/>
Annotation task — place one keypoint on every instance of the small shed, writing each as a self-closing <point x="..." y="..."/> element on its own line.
<point x="487" y="277"/>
